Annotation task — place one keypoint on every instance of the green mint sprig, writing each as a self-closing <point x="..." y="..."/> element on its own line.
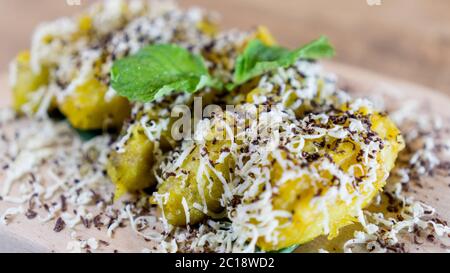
<point x="158" y="70"/>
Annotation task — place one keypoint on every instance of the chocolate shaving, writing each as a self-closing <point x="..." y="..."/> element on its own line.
<point x="63" y="203"/>
<point x="105" y="243"/>
<point x="60" y="225"/>
<point x="86" y="222"/>
<point x="30" y="214"/>
<point x="98" y="222"/>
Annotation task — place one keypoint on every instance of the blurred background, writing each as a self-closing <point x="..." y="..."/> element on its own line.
<point x="406" y="39"/>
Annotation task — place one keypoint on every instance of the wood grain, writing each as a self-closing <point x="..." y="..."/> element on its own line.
<point x="23" y="235"/>
<point x="408" y="39"/>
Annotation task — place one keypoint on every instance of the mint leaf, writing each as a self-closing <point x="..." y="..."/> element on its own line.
<point x="259" y="58"/>
<point x="87" y="135"/>
<point x="158" y="70"/>
<point x="289" y="249"/>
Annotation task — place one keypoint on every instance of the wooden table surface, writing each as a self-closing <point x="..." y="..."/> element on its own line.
<point x="407" y="39"/>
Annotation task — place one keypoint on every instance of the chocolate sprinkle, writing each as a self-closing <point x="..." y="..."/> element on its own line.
<point x="60" y="225"/>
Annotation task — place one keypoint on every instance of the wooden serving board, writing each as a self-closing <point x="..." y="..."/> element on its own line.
<point x="23" y="235"/>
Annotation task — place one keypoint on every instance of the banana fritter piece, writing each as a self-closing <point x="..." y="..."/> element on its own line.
<point x="88" y="107"/>
<point x="315" y="202"/>
<point x="26" y="85"/>
<point x="131" y="169"/>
